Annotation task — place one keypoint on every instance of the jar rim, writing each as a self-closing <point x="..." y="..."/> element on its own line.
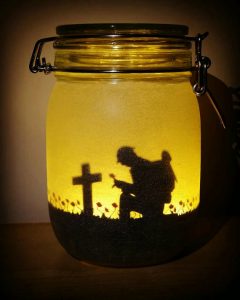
<point x="120" y="28"/>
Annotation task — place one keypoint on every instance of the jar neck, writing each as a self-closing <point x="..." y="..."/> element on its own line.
<point x="118" y="54"/>
<point x="123" y="50"/>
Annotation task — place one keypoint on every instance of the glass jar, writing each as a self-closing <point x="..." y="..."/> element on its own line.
<point x="123" y="143"/>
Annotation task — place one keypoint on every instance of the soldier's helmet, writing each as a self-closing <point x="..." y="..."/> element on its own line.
<point x="166" y="156"/>
<point x="126" y="155"/>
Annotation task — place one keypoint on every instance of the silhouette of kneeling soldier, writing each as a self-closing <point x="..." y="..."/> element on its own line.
<point x="152" y="184"/>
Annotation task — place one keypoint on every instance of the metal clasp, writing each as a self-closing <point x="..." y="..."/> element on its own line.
<point x="38" y="64"/>
<point x="202" y="63"/>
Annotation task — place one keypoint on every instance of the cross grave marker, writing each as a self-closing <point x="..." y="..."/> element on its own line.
<point x="86" y="180"/>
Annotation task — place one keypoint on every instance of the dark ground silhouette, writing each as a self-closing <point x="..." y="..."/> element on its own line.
<point x="138" y="242"/>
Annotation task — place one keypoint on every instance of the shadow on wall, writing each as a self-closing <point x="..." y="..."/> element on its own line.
<point x="220" y="172"/>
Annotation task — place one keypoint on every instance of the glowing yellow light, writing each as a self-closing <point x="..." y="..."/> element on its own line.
<point x="90" y="119"/>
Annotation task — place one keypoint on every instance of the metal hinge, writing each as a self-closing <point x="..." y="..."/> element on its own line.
<point x="202" y="63"/>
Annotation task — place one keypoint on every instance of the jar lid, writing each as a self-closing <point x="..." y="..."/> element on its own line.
<point x="121" y="28"/>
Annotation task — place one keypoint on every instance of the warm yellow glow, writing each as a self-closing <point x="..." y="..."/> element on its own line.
<point x="89" y="120"/>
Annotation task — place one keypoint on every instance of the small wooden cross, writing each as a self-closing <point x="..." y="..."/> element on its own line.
<point x="86" y="180"/>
